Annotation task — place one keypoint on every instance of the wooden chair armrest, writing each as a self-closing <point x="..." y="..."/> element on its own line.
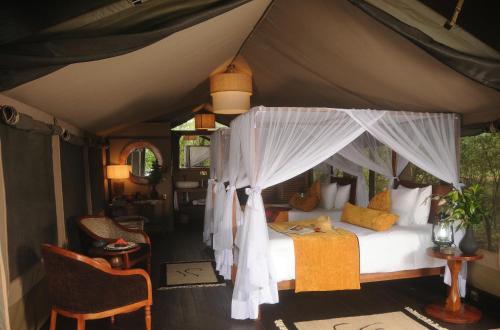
<point x="103" y="261"/>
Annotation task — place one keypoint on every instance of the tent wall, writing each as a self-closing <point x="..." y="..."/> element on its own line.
<point x="73" y="189"/>
<point x="42" y="186"/>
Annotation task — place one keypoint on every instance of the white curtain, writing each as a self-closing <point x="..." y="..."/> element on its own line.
<point x="276" y="145"/>
<point x="370" y="153"/>
<point x="208" y="220"/>
<point x="425" y="139"/>
<point x="4" y="306"/>
<point x="339" y="162"/>
<point x="220" y="229"/>
<point x="225" y="257"/>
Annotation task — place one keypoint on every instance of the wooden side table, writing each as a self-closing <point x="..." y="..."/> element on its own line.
<point x="453" y="310"/>
<point x="118" y="259"/>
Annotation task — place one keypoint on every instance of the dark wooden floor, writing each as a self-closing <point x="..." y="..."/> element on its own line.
<point x="209" y="308"/>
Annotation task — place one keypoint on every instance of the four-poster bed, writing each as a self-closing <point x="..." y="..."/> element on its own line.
<point x="271" y="145"/>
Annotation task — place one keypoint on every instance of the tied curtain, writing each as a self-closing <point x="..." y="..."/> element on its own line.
<point x="222" y="175"/>
<point x="208" y="220"/>
<point x="276" y="144"/>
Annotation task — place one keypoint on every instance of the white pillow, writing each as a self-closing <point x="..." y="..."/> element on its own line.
<point x="422" y="206"/>
<point x="403" y="204"/>
<point x="328" y="193"/>
<point x="342" y="196"/>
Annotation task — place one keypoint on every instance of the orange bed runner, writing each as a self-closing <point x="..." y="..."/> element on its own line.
<point x="326" y="260"/>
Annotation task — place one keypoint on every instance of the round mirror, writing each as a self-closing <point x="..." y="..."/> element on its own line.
<point x="141" y="161"/>
<point x="141" y="157"/>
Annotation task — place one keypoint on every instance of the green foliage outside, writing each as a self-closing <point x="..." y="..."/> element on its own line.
<point x="479" y="164"/>
<point x="149" y="159"/>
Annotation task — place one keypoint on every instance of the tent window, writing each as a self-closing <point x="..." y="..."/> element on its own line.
<point x="189" y="126"/>
<point x="194" y="151"/>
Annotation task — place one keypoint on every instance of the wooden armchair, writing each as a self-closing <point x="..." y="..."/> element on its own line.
<point x="109" y="230"/>
<point x="86" y="289"/>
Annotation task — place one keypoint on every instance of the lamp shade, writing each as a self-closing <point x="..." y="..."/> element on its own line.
<point x="204" y="120"/>
<point x="118" y="171"/>
<point x="231" y="92"/>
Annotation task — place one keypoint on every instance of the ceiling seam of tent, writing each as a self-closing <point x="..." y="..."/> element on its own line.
<point x="262" y="17"/>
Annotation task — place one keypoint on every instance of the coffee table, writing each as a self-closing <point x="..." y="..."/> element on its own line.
<point x="118" y="259"/>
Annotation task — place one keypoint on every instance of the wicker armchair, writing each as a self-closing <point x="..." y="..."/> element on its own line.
<point x="86" y="289"/>
<point x="109" y="230"/>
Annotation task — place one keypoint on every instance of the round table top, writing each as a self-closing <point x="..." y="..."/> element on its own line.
<point x="101" y="251"/>
<point x="455" y="256"/>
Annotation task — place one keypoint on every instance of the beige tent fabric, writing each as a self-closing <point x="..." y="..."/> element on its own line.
<point x="423" y="18"/>
<point x="4" y="306"/>
<point x="123" y="90"/>
<point x="330" y="53"/>
<point x="302" y="53"/>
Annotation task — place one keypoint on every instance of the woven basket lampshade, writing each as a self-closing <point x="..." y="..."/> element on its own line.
<point x="204" y="119"/>
<point x="231" y="91"/>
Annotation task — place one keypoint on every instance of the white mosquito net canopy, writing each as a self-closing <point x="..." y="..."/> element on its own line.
<point x="271" y="145"/>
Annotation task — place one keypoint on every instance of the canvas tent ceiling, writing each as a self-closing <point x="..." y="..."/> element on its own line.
<point x="302" y="53"/>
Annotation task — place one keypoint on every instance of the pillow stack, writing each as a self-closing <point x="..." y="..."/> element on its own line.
<point x="412" y="205"/>
<point x="334" y="196"/>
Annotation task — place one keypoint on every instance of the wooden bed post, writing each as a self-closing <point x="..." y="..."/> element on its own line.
<point x="394" y="168"/>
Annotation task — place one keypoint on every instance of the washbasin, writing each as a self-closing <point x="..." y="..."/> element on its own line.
<point x="187" y="184"/>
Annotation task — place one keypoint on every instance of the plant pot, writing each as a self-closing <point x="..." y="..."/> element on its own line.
<point x="468" y="245"/>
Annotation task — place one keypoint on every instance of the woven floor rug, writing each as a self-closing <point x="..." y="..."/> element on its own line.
<point x="189" y="274"/>
<point x="408" y="320"/>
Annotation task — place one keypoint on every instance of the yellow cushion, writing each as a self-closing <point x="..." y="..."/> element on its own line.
<point x="381" y="201"/>
<point x="306" y="203"/>
<point x="368" y="218"/>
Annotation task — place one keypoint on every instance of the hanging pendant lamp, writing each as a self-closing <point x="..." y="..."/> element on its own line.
<point x="231" y="91"/>
<point x="203" y="118"/>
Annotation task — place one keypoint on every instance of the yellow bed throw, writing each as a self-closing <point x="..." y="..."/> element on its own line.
<point x="325" y="260"/>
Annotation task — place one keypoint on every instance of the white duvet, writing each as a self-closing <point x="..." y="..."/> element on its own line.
<point x="399" y="248"/>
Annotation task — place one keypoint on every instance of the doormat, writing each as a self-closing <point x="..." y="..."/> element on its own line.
<point x="189" y="274"/>
<point x="410" y="319"/>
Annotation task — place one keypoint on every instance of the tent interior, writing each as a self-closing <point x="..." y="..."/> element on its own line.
<point x="145" y="144"/>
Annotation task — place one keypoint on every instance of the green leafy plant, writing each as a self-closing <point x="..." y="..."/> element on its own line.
<point x="467" y="207"/>
<point x="156" y="174"/>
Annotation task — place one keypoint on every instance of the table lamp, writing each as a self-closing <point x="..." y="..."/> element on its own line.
<point x="118" y="173"/>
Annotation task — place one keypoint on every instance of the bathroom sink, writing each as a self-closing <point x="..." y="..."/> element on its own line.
<point x="187" y="184"/>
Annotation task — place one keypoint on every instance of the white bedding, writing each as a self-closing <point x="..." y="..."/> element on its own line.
<point x="399" y="248"/>
<point x="294" y="214"/>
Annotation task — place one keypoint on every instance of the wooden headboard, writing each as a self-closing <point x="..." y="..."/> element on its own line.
<point x="344" y="181"/>
<point x="437" y="189"/>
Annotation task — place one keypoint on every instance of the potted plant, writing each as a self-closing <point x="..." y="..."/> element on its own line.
<point x="466" y="208"/>
<point x="154" y="178"/>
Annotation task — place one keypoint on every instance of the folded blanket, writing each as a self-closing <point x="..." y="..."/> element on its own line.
<point x="326" y="259"/>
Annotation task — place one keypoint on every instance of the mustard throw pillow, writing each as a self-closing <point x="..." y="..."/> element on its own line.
<point x="381" y="201"/>
<point x="306" y="203"/>
<point x="368" y="218"/>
